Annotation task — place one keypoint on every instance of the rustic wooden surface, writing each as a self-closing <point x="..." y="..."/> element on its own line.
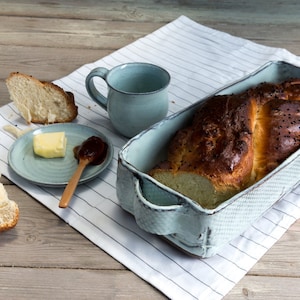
<point x="44" y="258"/>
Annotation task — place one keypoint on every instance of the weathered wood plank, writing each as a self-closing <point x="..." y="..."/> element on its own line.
<point x="262" y="288"/>
<point x="66" y="33"/>
<point x="286" y="255"/>
<point x="48" y="283"/>
<point x="103" y="34"/>
<point x="157" y="11"/>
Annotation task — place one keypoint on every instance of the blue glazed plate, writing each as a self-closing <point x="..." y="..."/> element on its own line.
<point x="55" y="172"/>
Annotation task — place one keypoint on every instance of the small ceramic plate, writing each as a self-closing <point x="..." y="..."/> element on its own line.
<point x="55" y="172"/>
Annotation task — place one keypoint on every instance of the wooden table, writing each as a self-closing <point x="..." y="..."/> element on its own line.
<point x="43" y="257"/>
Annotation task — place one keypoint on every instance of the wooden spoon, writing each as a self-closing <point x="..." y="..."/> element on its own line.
<point x="91" y="151"/>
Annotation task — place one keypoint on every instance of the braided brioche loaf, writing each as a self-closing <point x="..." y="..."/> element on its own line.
<point x="232" y="142"/>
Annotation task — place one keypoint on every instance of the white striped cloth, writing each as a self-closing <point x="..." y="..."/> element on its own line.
<point x="200" y="60"/>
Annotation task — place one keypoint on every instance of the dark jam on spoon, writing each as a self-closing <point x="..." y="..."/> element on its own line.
<point x="94" y="149"/>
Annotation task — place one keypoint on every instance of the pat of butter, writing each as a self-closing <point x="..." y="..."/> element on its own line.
<point x="50" y="145"/>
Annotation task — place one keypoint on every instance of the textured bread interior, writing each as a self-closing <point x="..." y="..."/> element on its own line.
<point x="9" y="211"/>
<point x="194" y="186"/>
<point x="41" y="102"/>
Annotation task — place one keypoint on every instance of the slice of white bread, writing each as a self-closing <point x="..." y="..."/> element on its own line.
<point x="9" y="211"/>
<point x="41" y="102"/>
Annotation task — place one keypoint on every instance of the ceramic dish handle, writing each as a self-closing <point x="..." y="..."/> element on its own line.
<point x="158" y="219"/>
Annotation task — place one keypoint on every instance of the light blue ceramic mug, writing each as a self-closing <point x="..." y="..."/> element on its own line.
<point x="137" y="95"/>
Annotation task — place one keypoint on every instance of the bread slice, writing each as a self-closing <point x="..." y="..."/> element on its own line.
<point x="40" y="102"/>
<point x="9" y="211"/>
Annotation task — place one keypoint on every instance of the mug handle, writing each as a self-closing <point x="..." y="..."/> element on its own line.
<point x="161" y="220"/>
<point x="92" y="90"/>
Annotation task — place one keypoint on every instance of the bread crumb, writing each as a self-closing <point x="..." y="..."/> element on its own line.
<point x="15" y="131"/>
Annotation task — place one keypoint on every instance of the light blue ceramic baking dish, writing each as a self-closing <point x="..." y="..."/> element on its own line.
<point x="162" y="211"/>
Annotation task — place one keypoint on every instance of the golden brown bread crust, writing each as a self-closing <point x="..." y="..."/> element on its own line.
<point x="280" y="137"/>
<point x="277" y="131"/>
<point x="9" y="211"/>
<point x="218" y="144"/>
<point x="235" y="140"/>
<point x="13" y="222"/>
